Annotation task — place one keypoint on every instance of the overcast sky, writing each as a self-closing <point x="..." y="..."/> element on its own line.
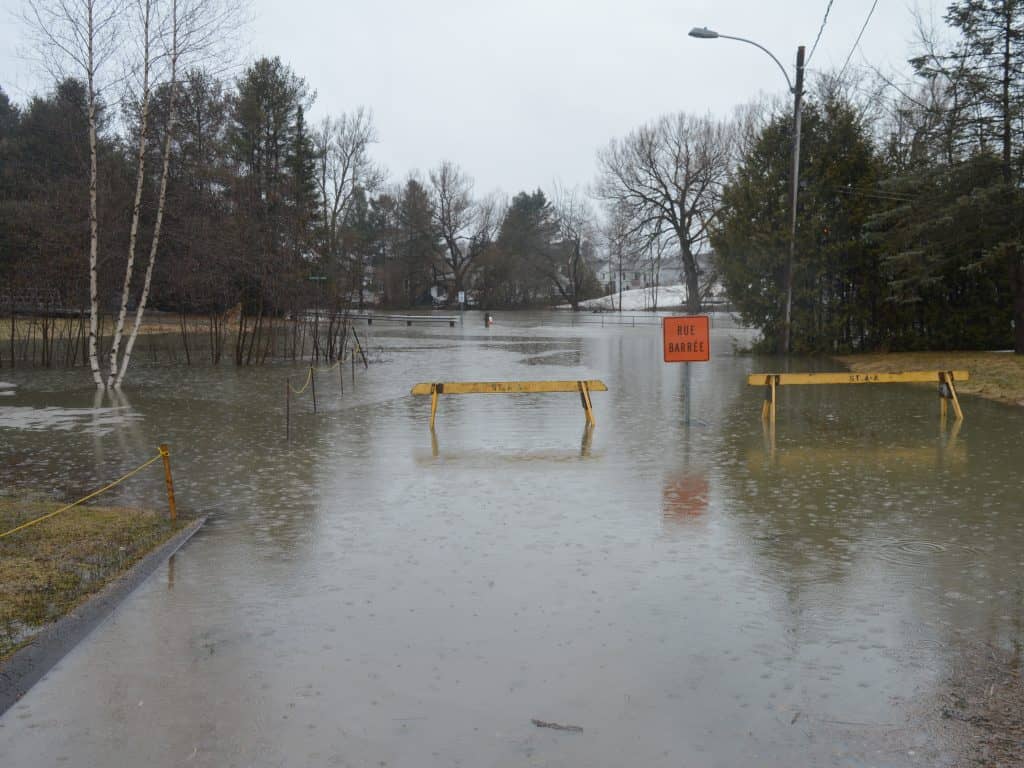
<point x="523" y="93"/>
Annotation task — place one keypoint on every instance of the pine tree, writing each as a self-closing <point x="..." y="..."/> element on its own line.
<point x="838" y="290"/>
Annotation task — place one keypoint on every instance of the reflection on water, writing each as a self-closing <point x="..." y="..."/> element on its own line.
<point x="678" y="583"/>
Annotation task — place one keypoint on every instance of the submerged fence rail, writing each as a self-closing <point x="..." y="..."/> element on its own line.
<point x="718" y="318"/>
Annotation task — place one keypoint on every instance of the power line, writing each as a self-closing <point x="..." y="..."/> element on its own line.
<point x="857" y="41"/>
<point x="821" y="29"/>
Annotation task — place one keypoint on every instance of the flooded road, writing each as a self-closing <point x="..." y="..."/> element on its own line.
<point x="681" y="589"/>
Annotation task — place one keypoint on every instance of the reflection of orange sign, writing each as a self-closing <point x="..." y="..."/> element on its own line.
<point x="684" y="496"/>
<point x="686" y="339"/>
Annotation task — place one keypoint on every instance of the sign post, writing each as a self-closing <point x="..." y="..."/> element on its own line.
<point x="686" y="339"/>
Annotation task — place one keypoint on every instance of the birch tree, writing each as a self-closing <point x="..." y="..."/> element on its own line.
<point x="79" y="38"/>
<point x="143" y="27"/>
<point x="195" y="32"/>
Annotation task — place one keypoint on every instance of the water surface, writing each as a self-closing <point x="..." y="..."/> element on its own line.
<point x="682" y="588"/>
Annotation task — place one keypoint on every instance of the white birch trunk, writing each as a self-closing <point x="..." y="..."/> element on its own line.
<point x="161" y="202"/>
<point x="113" y="377"/>
<point x="94" y="359"/>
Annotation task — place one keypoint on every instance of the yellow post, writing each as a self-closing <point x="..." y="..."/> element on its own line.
<point x="433" y="404"/>
<point x="166" y="454"/>
<point x="772" y="378"/>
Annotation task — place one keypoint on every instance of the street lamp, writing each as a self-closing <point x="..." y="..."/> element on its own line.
<point x="703" y="33"/>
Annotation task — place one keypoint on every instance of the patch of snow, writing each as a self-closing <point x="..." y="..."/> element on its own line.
<point x="638" y="299"/>
<point x="94" y="420"/>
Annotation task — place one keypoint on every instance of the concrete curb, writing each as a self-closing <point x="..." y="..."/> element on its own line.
<point x="28" y="665"/>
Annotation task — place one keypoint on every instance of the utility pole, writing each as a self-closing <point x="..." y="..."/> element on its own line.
<point x="798" y="92"/>
<point x="703" y="33"/>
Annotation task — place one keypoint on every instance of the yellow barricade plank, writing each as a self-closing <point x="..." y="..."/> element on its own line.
<point x="946" y="379"/>
<point x="907" y="377"/>
<point x="581" y="386"/>
<point x="505" y="387"/>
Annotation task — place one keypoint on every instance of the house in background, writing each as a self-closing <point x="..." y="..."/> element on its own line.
<point x="641" y="272"/>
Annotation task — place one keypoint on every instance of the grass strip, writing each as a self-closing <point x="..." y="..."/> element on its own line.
<point x="994" y="375"/>
<point x="50" y="568"/>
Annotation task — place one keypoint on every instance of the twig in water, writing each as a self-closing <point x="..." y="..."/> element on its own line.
<point x="557" y="726"/>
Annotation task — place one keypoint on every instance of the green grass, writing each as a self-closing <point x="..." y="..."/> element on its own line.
<point x="994" y="375"/>
<point x="48" y="569"/>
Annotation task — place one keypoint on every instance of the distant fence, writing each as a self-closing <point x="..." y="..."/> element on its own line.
<point x="36" y="302"/>
<point x="718" y="318"/>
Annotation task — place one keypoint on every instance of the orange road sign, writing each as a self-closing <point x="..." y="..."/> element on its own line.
<point x="686" y="339"/>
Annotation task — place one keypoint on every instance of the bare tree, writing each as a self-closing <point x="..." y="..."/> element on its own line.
<point x="668" y="177"/>
<point x="565" y="261"/>
<point x="654" y="257"/>
<point x="144" y="29"/>
<point x="83" y="38"/>
<point x="79" y="38"/>
<point x="466" y="225"/>
<point x="343" y="166"/>
<point x="195" y="32"/>
<point x="623" y="244"/>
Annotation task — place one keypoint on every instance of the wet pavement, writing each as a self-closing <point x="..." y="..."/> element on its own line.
<point x="673" y="583"/>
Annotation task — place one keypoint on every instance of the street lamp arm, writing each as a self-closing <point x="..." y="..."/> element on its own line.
<point x="782" y="69"/>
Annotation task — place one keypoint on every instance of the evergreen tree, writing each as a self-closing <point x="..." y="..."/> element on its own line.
<point x="838" y="290"/>
<point x="527" y="235"/>
<point x="956" y="241"/>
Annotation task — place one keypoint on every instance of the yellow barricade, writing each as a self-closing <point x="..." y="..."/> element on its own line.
<point x="946" y="381"/>
<point x="583" y="386"/>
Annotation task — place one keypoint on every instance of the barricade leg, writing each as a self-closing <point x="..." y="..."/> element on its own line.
<point x="952" y="394"/>
<point x="433" y="404"/>
<point x="588" y="438"/>
<point x="588" y="409"/>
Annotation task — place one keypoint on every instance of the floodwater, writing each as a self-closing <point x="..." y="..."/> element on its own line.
<point x="673" y="583"/>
